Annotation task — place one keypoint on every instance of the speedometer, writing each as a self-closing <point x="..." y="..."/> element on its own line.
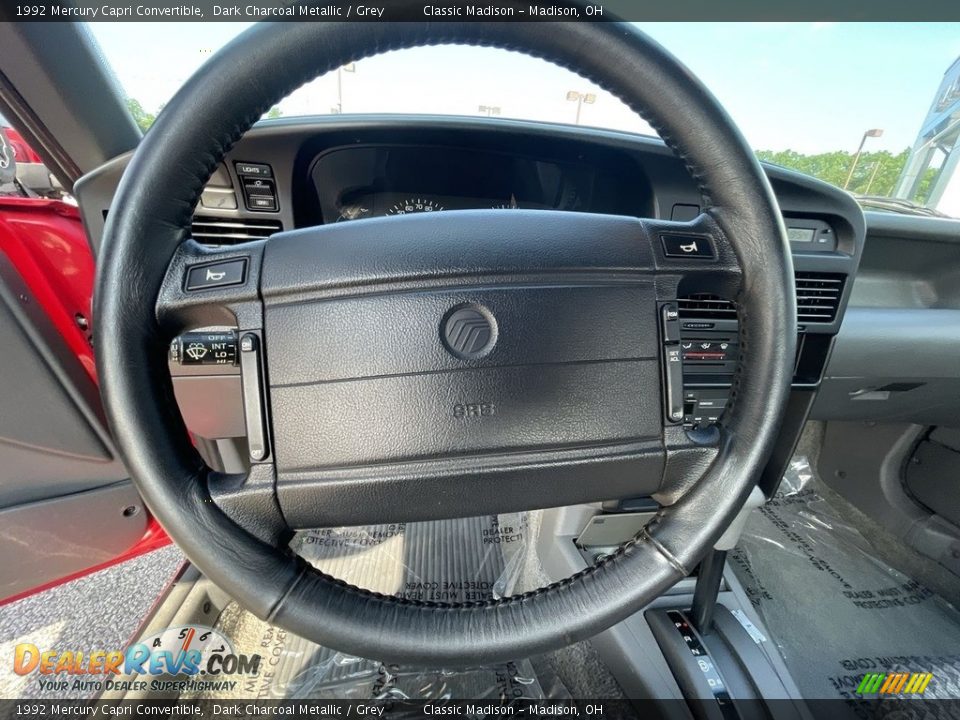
<point x="414" y="205"/>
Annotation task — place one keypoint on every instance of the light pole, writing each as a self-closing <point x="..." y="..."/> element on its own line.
<point x="873" y="176"/>
<point x="580" y="98"/>
<point x="350" y="68"/>
<point x="875" y="132"/>
<point x="490" y="110"/>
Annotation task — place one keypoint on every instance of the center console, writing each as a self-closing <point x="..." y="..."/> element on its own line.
<point x="710" y="343"/>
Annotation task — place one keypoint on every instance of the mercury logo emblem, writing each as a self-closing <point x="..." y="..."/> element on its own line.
<point x="469" y="331"/>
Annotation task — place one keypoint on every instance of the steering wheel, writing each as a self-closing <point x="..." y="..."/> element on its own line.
<point x="443" y="365"/>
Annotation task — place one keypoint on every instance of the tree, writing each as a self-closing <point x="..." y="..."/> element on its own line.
<point x="876" y="172"/>
<point x="143" y="119"/>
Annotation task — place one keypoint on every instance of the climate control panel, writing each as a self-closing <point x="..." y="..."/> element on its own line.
<point x="700" y="356"/>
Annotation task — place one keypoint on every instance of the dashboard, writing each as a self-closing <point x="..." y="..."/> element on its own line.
<point x="288" y="174"/>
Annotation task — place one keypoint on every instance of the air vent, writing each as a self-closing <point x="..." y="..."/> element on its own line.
<point x="708" y="307"/>
<point x="231" y="231"/>
<point x="818" y="297"/>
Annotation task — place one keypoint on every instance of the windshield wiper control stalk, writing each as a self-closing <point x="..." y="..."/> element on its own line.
<point x="205" y="348"/>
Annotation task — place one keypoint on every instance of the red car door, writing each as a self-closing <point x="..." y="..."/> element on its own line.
<point x="67" y="507"/>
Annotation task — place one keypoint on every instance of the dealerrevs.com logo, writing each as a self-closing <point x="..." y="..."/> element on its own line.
<point x="202" y="654"/>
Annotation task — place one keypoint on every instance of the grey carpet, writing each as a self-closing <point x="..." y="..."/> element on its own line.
<point x="834" y="608"/>
<point x="102" y="610"/>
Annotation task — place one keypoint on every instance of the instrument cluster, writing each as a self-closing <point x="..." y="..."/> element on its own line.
<point x="366" y="181"/>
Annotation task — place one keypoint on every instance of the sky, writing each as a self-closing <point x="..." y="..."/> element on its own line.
<point x="809" y="87"/>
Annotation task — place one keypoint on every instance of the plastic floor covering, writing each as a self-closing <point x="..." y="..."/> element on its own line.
<point x="449" y="560"/>
<point x="836" y="611"/>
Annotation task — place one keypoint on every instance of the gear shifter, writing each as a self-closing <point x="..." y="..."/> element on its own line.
<point x="707" y="588"/>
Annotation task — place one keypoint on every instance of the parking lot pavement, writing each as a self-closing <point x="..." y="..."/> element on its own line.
<point x="97" y="612"/>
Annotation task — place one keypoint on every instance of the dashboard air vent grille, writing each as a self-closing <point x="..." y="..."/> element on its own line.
<point x="818" y="296"/>
<point x="231" y="231"/>
<point x="707" y="307"/>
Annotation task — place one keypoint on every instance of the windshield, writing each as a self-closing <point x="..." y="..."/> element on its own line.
<point x="873" y="108"/>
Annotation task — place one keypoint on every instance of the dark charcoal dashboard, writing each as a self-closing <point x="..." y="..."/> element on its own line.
<point x="289" y="174"/>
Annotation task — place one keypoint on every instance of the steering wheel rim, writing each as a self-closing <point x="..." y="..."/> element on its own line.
<point x="146" y="229"/>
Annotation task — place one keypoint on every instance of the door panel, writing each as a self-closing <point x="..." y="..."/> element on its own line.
<point x="50" y="539"/>
<point x="66" y="503"/>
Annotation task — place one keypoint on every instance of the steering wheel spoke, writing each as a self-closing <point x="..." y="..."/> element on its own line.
<point x="250" y="500"/>
<point x="694" y="258"/>
<point x="211" y="287"/>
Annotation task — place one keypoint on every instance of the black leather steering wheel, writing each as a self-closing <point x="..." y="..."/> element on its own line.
<point x="457" y="364"/>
